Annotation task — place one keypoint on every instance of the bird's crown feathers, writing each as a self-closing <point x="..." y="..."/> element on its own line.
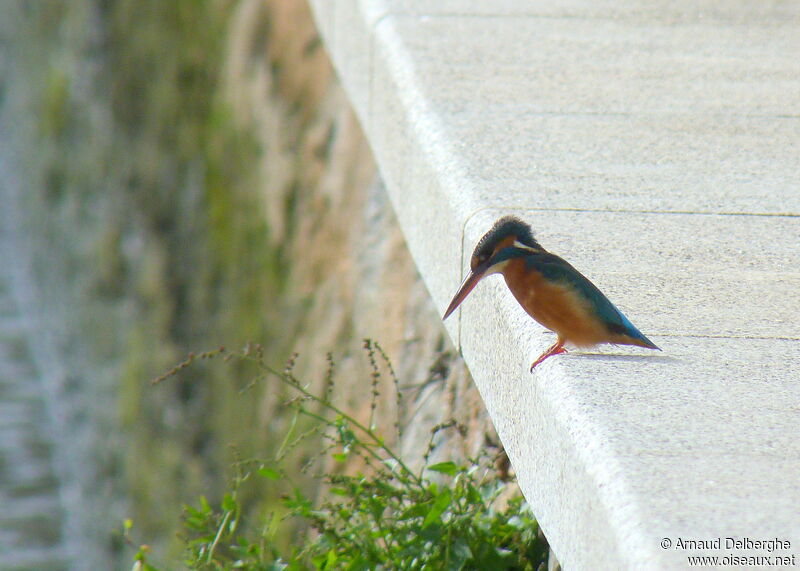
<point x="502" y="229"/>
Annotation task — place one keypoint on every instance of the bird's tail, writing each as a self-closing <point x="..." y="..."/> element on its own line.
<point x="642" y="341"/>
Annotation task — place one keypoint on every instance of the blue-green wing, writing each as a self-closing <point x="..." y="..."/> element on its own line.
<point x="556" y="269"/>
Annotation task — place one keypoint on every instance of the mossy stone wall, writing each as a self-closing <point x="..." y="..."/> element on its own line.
<point x="194" y="177"/>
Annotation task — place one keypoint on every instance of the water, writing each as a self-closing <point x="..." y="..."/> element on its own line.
<point x="41" y="456"/>
<point x="34" y="520"/>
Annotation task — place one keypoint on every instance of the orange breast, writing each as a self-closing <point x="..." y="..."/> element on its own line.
<point x="556" y="306"/>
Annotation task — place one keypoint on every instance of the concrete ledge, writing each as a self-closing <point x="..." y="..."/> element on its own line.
<point x="658" y="149"/>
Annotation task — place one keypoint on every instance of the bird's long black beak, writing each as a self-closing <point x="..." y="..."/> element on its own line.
<point x="466" y="286"/>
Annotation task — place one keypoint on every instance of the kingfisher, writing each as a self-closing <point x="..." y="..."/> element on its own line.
<point x="549" y="289"/>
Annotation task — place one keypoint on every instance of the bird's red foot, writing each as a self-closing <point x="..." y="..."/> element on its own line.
<point x="556" y="349"/>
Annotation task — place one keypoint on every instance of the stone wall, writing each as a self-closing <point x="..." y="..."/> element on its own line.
<point x="191" y="176"/>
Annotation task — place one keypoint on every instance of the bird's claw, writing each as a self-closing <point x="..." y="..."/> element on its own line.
<point x="556" y="349"/>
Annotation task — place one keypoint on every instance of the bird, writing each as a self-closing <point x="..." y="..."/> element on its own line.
<point x="549" y="289"/>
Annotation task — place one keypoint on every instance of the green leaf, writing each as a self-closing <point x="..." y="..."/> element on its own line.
<point x="448" y="468"/>
<point x="269" y="473"/>
<point x="441" y="503"/>
<point x="474" y="496"/>
<point x="228" y="503"/>
<point x="330" y="562"/>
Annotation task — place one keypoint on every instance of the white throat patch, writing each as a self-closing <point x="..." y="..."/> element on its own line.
<point x="521" y="246"/>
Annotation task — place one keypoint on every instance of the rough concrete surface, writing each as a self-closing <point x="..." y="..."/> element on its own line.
<point x="656" y="147"/>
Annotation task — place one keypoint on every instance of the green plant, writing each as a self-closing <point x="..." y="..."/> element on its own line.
<point x="385" y="515"/>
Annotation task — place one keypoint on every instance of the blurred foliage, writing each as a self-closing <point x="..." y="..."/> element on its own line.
<point x="375" y="511"/>
<point x="151" y="234"/>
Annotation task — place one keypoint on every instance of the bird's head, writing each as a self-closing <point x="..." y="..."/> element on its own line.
<point x="509" y="238"/>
